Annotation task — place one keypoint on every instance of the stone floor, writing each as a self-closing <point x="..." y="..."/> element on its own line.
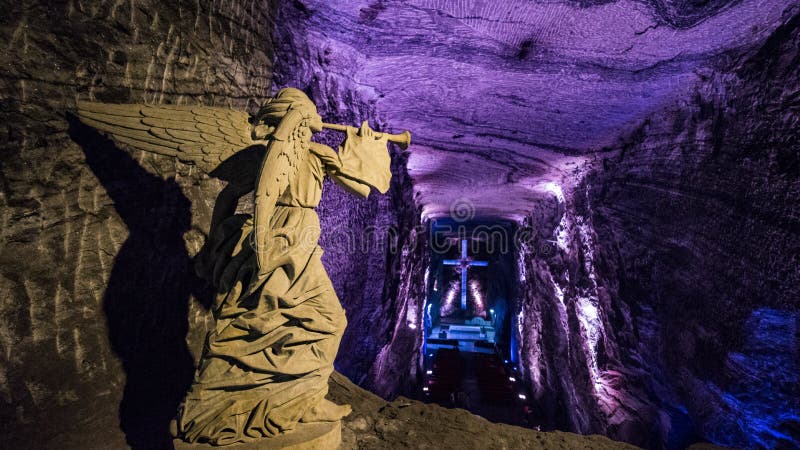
<point x="404" y="423"/>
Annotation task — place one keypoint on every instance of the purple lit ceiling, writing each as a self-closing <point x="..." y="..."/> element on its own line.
<point x="502" y="97"/>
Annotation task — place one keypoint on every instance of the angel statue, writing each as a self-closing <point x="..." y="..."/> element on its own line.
<point x="265" y="365"/>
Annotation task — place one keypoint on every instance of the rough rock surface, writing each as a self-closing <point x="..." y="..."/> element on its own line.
<point x="642" y="243"/>
<point x="670" y="297"/>
<point x="699" y="216"/>
<point x="102" y="315"/>
<point x="403" y="423"/>
<point x="658" y="292"/>
<point x="99" y="297"/>
<point x="510" y="87"/>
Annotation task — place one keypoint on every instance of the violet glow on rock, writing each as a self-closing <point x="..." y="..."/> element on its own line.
<point x="478" y="302"/>
<point x="512" y="86"/>
<point x="646" y="145"/>
<point x="449" y="304"/>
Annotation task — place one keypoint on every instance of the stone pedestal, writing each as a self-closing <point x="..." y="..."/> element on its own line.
<point x="306" y="436"/>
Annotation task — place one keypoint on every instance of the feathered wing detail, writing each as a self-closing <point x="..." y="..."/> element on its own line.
<point x="278" y="171"/>
<point x="203" y="135"/>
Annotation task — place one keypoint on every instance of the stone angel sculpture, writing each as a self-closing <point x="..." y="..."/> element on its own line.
<point x="266" y="363"/>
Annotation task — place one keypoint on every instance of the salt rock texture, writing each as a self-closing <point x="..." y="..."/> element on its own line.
<point x="376" y="423"/>
<point x="102" y="316"/>
<point x="101" y="311"/>
<point x="670" y="293"/>
<point x="699" y="213"/>
<point x="508" y="88"/>
<point x="403" y="423"/>
<point x="649" y="152"/>
<point x="648" y="149"/>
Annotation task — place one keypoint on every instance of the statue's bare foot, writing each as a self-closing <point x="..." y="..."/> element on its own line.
<point x="326" y="411"/>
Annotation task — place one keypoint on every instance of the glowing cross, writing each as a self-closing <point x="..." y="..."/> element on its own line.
<point x="464" y="263"/>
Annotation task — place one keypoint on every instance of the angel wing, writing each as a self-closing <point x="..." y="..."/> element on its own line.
<point x="278" y="171"/>
<point x="203" y="135"/>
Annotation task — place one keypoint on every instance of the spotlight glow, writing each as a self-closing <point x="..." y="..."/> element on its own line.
<point x="479" y="308"/>
<point x="561" y="230"/>
<point x="411" y="316"/>
<point x="555" y="189"/>
<point x="449" y="301"/>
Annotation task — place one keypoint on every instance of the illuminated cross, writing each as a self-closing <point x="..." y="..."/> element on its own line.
<point x="464" y="263"/>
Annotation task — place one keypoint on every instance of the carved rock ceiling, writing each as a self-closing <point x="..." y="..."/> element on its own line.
<point x="503" y="97"/>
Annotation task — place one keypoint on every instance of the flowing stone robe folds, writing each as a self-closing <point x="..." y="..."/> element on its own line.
<point x="266" y="364"/>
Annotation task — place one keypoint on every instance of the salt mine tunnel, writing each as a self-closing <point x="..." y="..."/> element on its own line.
<point x="595" y="229"/>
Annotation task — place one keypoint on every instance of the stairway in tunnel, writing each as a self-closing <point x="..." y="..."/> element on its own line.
<point x="480" y="383"/>
<point x="492" y="395"/>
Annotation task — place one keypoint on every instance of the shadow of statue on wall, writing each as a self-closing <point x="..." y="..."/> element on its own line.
<point x="146" y="302"/>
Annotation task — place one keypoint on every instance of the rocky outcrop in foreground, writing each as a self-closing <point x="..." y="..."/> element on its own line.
<point x="404" y="423"/>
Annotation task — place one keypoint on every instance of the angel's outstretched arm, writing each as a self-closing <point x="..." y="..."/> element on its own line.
<point x="351" y="186"/>
<point x="363" y="161"/>
<point x="333" y="165"/>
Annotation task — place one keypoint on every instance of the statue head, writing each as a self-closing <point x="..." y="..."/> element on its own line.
<point x="282" y="113"/>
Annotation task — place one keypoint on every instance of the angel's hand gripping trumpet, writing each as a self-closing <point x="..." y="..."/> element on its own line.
<point x="403" y="140"/>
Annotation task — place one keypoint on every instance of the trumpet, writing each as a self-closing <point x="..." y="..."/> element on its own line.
<point x="403" y="140"/>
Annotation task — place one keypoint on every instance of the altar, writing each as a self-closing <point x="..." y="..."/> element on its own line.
<point x="475" y="335"/>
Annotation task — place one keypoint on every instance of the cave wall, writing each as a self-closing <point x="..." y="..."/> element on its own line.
<point x="374" y="249"/>
<point x="698" y="215"/>
<point x="666" y="311"/>
<point x="663" y="303"/>
<point x="101" y="316"/>
<point x="577" y="345"/>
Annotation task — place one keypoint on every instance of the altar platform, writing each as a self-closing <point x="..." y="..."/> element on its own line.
<point x="475" y="335"/>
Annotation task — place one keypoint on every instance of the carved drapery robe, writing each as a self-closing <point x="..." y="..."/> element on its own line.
<point x="269" y="356"/>
<point x="266" y="363"/>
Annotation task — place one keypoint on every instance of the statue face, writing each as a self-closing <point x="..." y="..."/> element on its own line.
<point x="315" y="124"/>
